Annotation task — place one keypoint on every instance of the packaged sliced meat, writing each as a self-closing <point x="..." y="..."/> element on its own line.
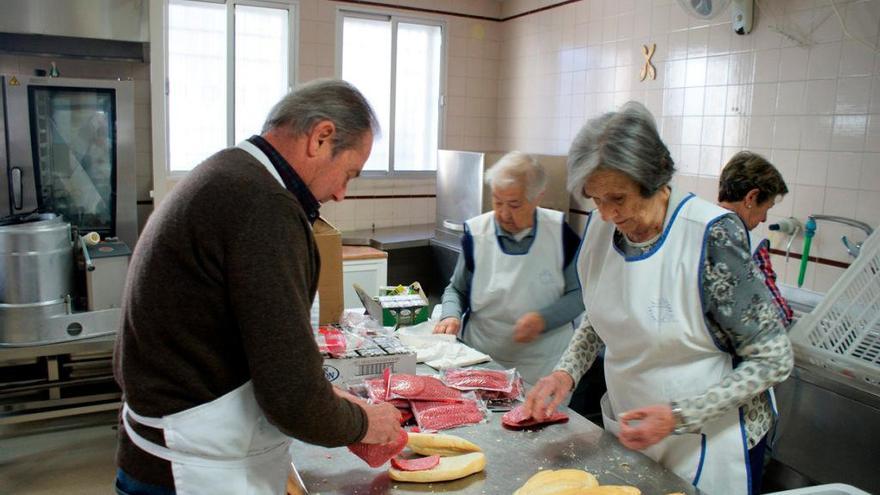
<point x="420" y="387"/>
<point x="516" y="419"/>
<point x="377" y="392"/>
<point x="375" y="455"/>
<point x="503" y="401"/>
<point x="479" y="379"/>
<point x="433" y="416"/>
<point x="418" y="464"/>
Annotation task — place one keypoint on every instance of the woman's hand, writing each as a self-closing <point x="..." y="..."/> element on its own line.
<point x="543" y="399"/>
<point x="654" y="424"/>
<point x="450" y="325"/>
<point x="528" y="327"/>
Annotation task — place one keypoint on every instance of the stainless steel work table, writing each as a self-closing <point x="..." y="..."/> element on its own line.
<point x="511" y="458"/>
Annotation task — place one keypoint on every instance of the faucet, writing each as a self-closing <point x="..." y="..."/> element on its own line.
<point x="851" y="248"/>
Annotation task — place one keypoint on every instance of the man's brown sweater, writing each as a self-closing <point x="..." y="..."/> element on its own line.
<point x="218" y="293"/>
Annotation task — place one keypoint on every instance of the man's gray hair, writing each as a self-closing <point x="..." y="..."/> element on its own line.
<point x="625" y="141"/>
<point x="518" y="168"/>
<point x="325" y="99"/>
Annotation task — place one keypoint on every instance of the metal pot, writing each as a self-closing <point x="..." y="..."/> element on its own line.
<point x="36" y="260"/>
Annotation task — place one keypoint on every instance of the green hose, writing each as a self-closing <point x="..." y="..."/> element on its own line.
<point x="809" y="232"/>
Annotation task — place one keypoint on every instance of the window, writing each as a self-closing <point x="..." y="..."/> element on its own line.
<point x="228" y="63"/>
<point x="397" y="64"/>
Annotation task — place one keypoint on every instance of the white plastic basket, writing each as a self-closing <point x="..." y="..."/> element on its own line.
<point x="842" y="334"/>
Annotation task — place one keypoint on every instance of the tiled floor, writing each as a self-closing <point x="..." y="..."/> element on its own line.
<point x="70" y="456"/>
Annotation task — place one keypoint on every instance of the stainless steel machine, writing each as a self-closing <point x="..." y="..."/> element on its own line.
<point x="67" y="223"/>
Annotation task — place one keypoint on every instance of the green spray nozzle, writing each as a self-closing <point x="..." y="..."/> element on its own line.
<point x="809" y="232"/>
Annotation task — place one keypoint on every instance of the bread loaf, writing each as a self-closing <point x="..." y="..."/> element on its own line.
<point x="450" y="468"/>
<point x="439" y="444"/>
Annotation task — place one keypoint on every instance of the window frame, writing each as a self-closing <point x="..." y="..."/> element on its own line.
<point x="163" y="176"/>
<point x="395" y="19"/>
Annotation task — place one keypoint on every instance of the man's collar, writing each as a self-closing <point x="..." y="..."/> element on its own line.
<point x="292" y="180"/>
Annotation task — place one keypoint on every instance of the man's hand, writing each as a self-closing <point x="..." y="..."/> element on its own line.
<point x="654" y="424"/>
<point x="383" y="423"/>
<point x="450" y="325"/>
<point x="528" y="327"/>
<point x="543" y="399"/>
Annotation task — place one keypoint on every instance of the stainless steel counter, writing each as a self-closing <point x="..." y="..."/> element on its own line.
<point x="511" y="458"/>
<point x="391" y="237"/>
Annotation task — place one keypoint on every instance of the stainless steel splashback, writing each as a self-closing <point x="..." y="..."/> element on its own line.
<point x="462" y="192"/>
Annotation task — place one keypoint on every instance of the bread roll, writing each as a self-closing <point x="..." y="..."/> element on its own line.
<point x="450" y="468"/>
<point x="439" y="444"/>
<point x="556" y="482"/>
<point x="609" y="490"/>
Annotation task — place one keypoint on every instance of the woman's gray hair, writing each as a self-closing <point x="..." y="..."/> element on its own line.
<point x="325" y="99"/>
<point x="626" y="141"/>
<point x="518" y="168"/>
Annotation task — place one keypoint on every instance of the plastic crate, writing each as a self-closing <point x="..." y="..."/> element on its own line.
<point x="842" y="334"/>
<point x="832" y="489"/>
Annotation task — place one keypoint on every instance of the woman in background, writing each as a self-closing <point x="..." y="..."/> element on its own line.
<point x="749" y="186"/>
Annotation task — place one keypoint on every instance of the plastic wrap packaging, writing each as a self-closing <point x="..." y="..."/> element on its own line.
<point x="420" y="388"/>
<point x="433" y="416"/>
<point x="479" y="379"/>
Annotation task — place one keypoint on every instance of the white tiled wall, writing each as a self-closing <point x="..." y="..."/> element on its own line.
<point x="813" y="110"/>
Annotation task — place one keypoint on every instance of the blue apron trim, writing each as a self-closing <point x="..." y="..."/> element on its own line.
<point x="577" y="254"/>
<point x="659" y="244"/>
<point x="702" y="458"/>
<point x="745" y="444"/>
<point x="533" y="233"/>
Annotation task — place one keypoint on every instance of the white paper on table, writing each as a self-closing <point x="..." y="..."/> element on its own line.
<point x="438" y="351"/>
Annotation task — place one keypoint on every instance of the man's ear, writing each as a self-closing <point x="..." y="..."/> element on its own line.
<point x="321" y="137"/>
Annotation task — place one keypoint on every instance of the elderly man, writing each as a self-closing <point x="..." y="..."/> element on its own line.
<point x="515" y="279"/>
<point x="216" y="357"/>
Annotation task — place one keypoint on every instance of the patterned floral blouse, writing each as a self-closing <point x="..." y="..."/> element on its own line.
<point x="743" y="318"/>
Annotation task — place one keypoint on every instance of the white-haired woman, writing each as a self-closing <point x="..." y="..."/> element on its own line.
<point x="692" y="336"/>
<point x="515" y="280"/>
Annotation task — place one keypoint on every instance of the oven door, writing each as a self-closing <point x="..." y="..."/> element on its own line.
<point x="62" y="152"/>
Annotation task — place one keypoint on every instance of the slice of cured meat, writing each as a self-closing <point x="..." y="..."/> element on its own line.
<point x="375" y="455"/>
<point x="436" y="416"/>
<point x="418" y="464"/>
<point x="516" y="419"/>
<point x="419" y="387"/>
<point x="478" y="378"/>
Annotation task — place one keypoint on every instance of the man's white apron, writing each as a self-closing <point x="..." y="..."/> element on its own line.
<point x="226" y="446"/>
<point x="648" y="312"/>
<point x="506" y="286"/>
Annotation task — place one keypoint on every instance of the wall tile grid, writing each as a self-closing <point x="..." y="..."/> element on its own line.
<point x="472" y="69"/>
<point x="796" y="90"/>
<point x="102" y="69"/>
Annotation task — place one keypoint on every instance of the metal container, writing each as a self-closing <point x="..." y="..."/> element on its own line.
<point x="36" y="261"/>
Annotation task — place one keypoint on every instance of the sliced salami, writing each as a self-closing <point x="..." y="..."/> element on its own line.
<point x="376" y="455"/>
<point x="419" y="464"/>
<point x="516" y="419"/>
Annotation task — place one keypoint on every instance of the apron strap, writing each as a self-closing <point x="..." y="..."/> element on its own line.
<point x="187" y="458"/>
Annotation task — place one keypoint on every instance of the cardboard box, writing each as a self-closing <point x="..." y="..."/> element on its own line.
<point x="370" y="361"/>
<point x="396" y="310"/>
<point x="329" y="241"/>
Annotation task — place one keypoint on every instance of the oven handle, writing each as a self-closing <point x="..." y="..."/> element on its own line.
<point x="16" y="188"/>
